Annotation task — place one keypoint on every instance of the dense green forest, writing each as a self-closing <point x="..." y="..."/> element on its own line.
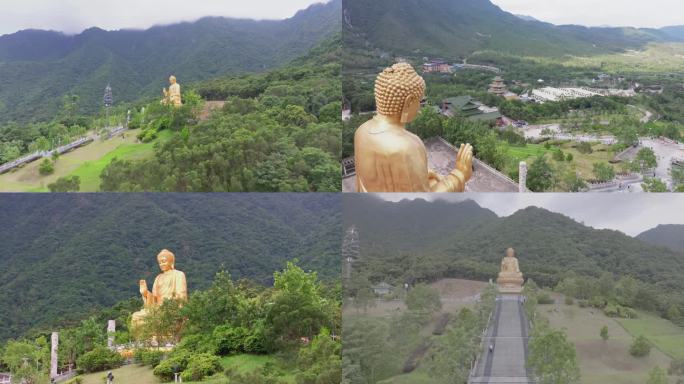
<point x="68" y="255"/>
<point x="295" y="322"/>
<point x="278" y="131"/>
<point x="454" y="30"/>
<point x="47" y="65"/>
<point x="399" y="243"/>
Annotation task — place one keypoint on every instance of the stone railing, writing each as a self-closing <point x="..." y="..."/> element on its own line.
<point x="37" y="155"/>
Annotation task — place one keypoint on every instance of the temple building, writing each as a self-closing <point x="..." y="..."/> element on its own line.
<point x="466" y="106"/>
<point x="436" y="66"/>
<point x="497" y="87"/>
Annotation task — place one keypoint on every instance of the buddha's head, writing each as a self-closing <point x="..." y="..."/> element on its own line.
<point x="399" y="91"/>
<point x="166" y="260"/>
<point x="172" y="79"/>
<point x="510" y="252"/>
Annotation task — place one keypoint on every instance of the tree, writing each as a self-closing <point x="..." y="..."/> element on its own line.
<point x="603" y="171"/>
<point x="645" y="159"/>
<point x="673" y="313"/>
<point x="298" y="308"/>
<point x="427" y="124"/>
<point x="653" y="184"/>
<point x="320" y="362"/>
<point x="26" y="360"/>
<point x="640" y="347"/>
<point x="540" y="175"/>
<point x="552" y="358"/>
<point x="46" y="167"/>
<point x="66" y="184"/>
<point x="364" y="299"/>
<point x="657" y="375"/>
<point x="423" y="298"/>
<point x="604" y="333"/>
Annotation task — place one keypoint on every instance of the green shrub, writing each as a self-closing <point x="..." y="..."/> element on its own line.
<point x="175" y="363"/>
<point x="198" y="343"/>
<point x="676" y="368"/>
<point x="201" y="366"/>
<point x="229" y="339"/>
<point x="617" y="310"/>
<point x="254" y="377"/>
<point x="569" y="300"/>
<point x="640" y="347"/>
<point x="148" y="357"/>
<point x="583" y="303"/>
<point x="99" y="359"/>
<point x="544" y="298"/>
<point x="75" y="380"/>
<point x="46" y="167"/>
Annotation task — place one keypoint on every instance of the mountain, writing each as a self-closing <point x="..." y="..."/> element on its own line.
<point x="670" y="235"/>
<point x="66" y="255"/>
<point x="675" y="31"/>
<point x="526" y="17"/>
<point x="465" y="240"/>
<point x="454" y="29"/>
<point x="39" y="67"/>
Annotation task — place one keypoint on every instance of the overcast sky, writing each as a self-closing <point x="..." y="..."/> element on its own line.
<point x="634" y="13"/>
<point x="628" y="213"/>
<point x="73" y="16"/>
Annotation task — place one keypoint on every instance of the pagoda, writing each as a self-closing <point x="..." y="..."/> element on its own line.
<point x="497" y="87"/>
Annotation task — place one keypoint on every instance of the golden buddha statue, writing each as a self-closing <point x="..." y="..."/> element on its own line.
<point x="510" y="278"/>
<point x="172" y="96"/>
<point x="388" y="158"/>
<point x="170" y="284"/>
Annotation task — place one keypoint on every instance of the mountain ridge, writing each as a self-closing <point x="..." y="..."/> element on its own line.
<point x="549" y="244"/>
<point x="42" y="66"/>
<point x="456" y="29"/>
<point x="88" y="251"/>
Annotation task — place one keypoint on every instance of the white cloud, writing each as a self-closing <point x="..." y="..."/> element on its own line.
<point x="635" y="13"/>
<point x="73" y="16"/>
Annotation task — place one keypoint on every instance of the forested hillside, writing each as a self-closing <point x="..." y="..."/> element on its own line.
<point x="464" y="240"/>
<point x="671" y="236"/>
<point x="278" y="132"/>
<point x="38" y="67"/>
<point x="65" y="256"/>
<point x="455" y="29"/>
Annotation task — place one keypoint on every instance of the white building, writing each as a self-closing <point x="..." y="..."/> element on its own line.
<point x="557" y="94"/>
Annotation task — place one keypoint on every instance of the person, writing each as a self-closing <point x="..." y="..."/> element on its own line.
<point x="491" y="348"/>
<point x="110" y="377"/>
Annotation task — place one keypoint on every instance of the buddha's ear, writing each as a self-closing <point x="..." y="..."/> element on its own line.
<point x="407" y="108"/>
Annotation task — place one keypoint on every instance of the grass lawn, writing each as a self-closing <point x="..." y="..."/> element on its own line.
<point x="526" y="153"/>
<point x="86" y="162"/>
<point x="582" y="163"/>
<point x="249" y="363"/>
<point x="599" y="361"/>
<point x="90" y="171"/>
<point x="139" y="374"/>
<point x="666" y="336"/>
<point x="133" y="373"/>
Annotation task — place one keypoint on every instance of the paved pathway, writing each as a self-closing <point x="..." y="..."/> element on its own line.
<point x="507" y="332"/>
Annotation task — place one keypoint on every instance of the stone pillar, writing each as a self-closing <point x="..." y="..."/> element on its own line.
<point x="522" y="177"/>
<point x="53" y="354"/>
<point x="111" y="329"/>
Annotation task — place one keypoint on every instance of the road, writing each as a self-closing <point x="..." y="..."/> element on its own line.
<point x="507" y="333"/>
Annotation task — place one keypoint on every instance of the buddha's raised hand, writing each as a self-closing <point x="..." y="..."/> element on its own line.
<point x="143" y="287"/>
<point x="464" y="161"/>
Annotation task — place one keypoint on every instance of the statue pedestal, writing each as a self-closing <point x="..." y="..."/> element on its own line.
<point x="510" y="284"/>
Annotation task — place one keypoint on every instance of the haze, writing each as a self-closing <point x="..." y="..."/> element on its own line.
<point x="73" y="16"/>
<point x="628" y="213"/>
<point x="633" y="13"/>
